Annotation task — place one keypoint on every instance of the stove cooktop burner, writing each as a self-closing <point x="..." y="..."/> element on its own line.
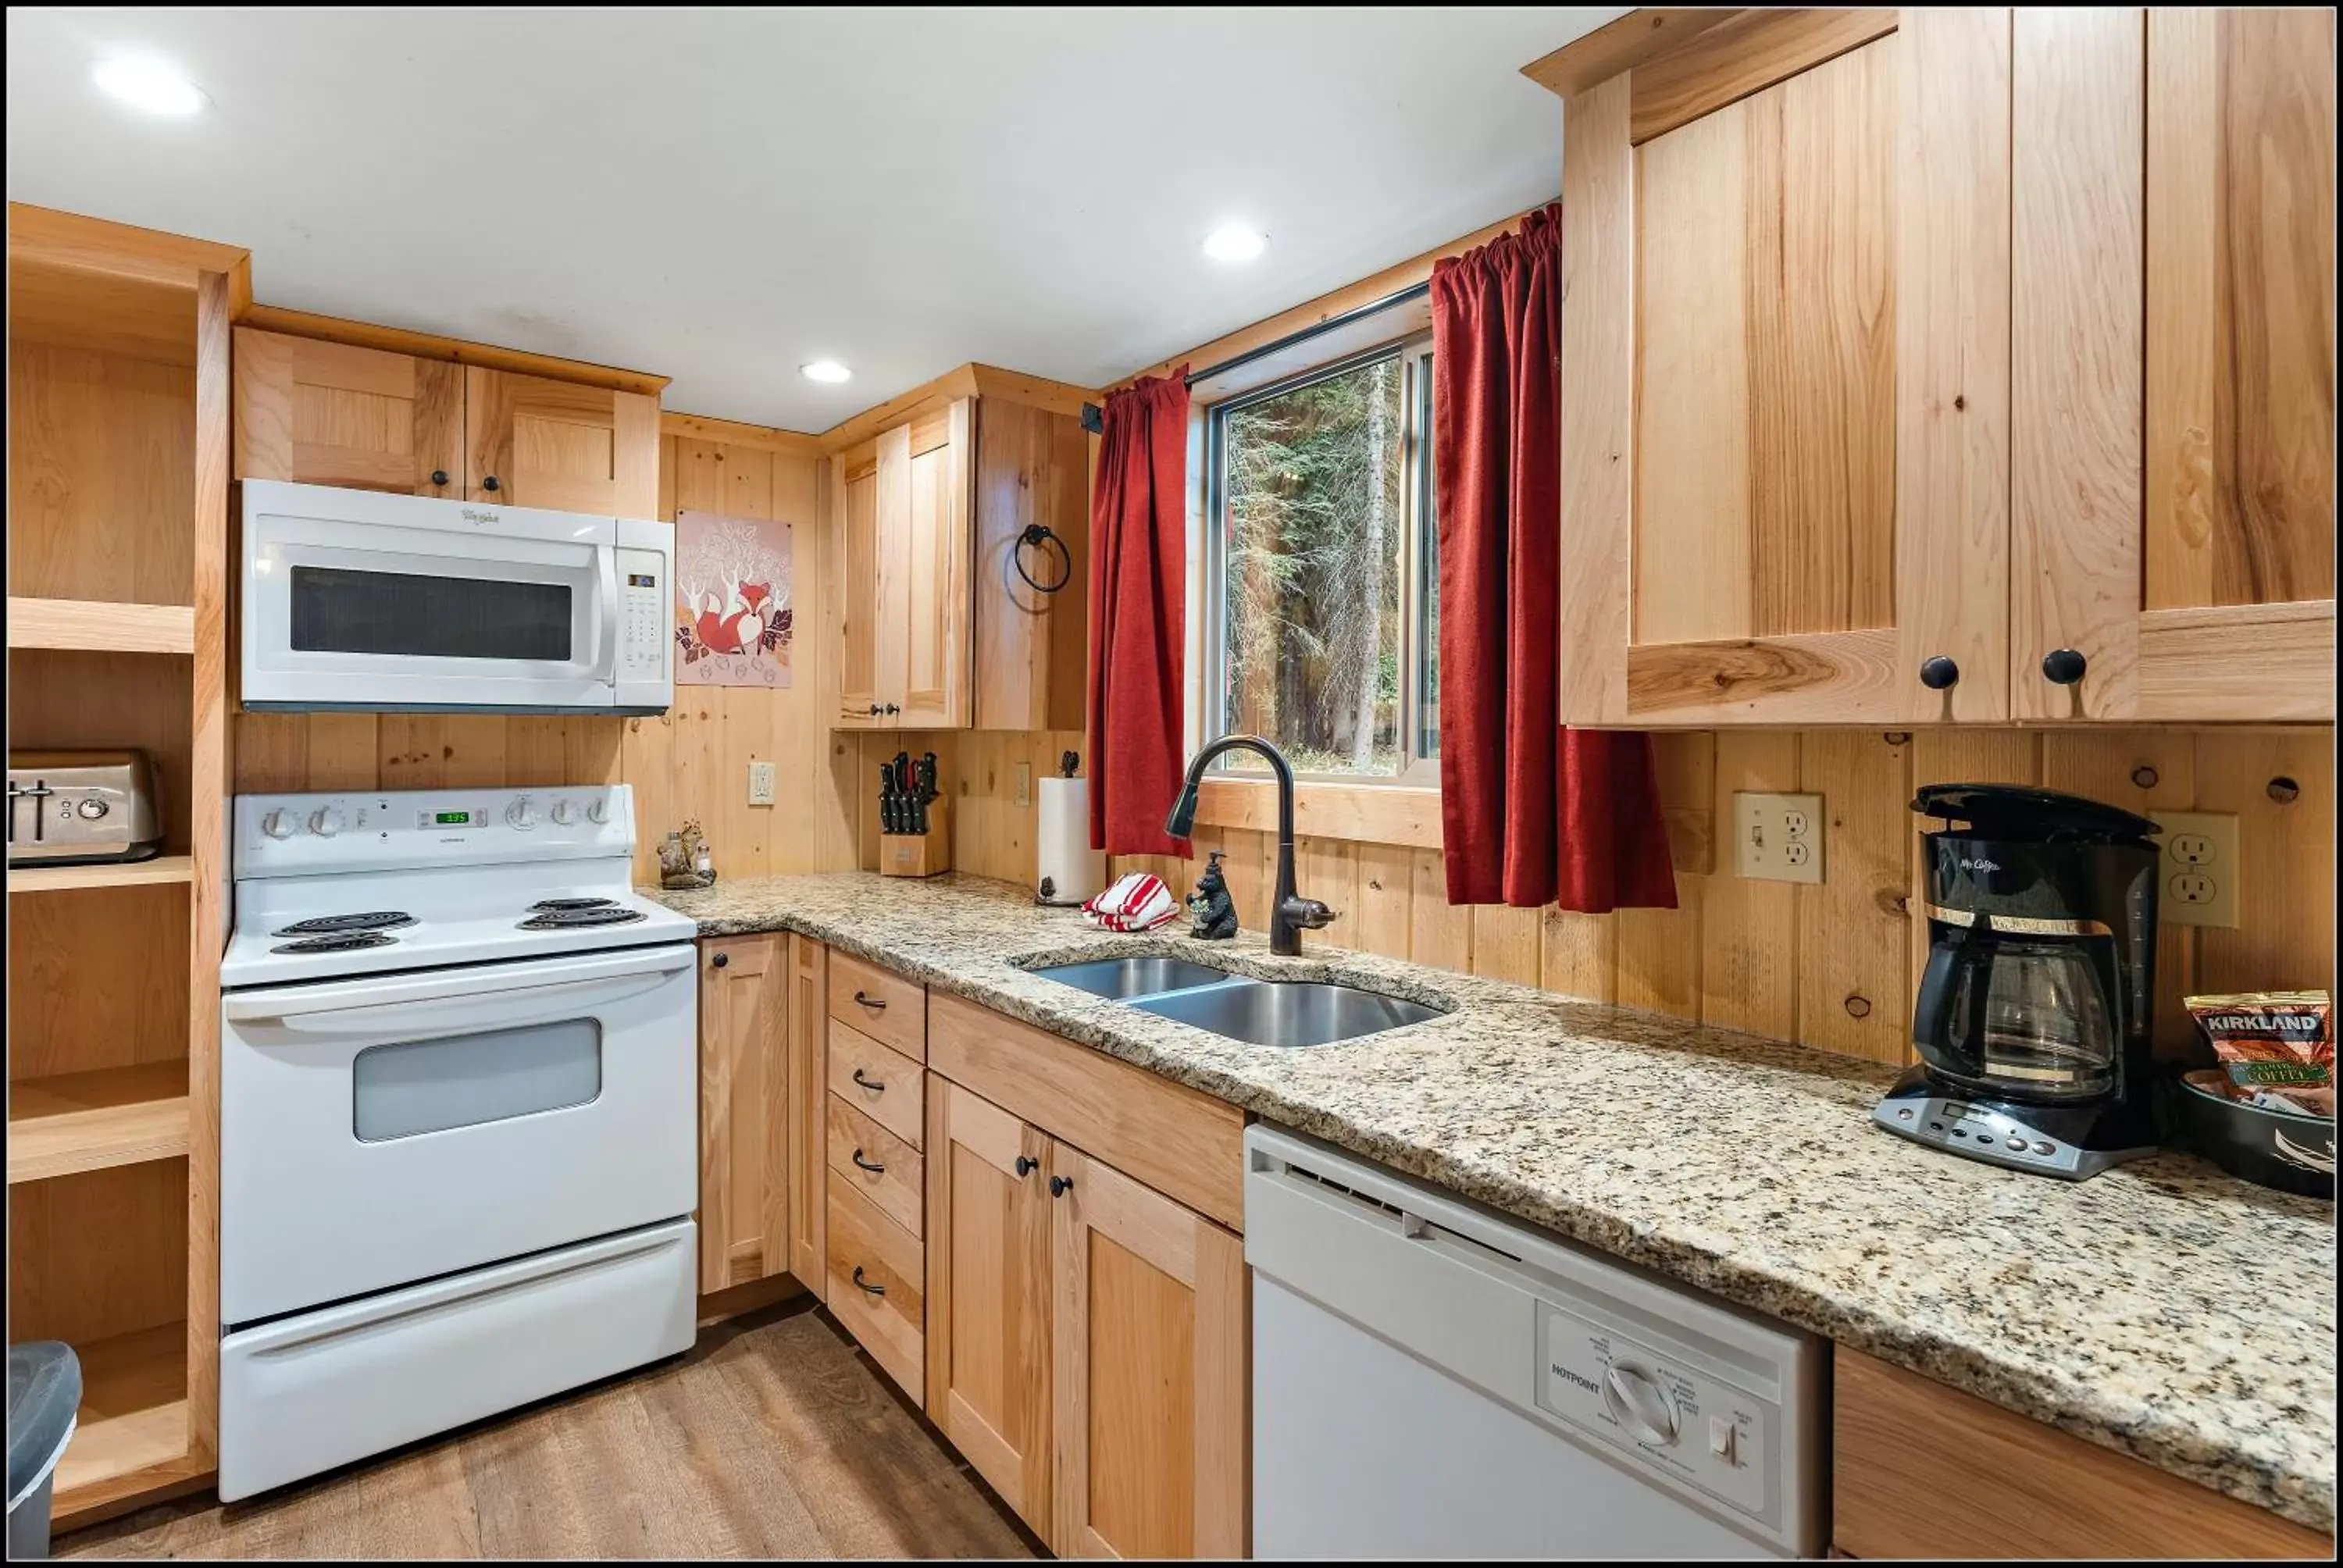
<point x="340" y="942"/>
<point x="558" y="919"/>
<point x="545" y="905"/>
<point x="334" y="925"/>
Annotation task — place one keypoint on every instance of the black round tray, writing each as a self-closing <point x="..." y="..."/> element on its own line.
<point x="2273" y="1148"/>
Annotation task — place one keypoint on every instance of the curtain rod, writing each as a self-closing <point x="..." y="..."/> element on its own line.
<point x="1094" y="423"/>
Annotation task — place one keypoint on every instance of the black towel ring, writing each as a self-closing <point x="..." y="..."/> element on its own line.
<point x="1038" y="534"/>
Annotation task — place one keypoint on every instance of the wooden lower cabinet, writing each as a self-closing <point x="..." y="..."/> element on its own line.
<point x="744" y="1111"/>
<point x="878" y="1286"/>
<point x="1911" y="1456"/>
<point x="1087" y="1341"/>
<point x="809" y="1098"/>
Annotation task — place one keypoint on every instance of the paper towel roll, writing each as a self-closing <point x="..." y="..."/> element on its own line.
<point x="1066" y="862"/>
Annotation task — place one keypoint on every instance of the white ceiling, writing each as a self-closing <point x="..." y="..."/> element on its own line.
<point x="720" y="195"/>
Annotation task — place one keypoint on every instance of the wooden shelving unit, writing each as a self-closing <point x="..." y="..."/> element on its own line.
<point x="118" y="532"/>
<point x="101" y="626"/>
<point x="162" y="868"/>
<point x="76" y="1121"/>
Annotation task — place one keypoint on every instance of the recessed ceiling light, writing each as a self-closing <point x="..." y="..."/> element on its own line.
<point x="149" y="85"/>
<point x="825" y="370"/>
<point x="1235" y="241"/>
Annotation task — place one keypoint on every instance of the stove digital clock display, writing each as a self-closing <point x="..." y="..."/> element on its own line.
<point x="452" y="818"/>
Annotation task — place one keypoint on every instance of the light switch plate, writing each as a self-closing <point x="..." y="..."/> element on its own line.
<point x="2199" y="869"/>
<point x="1024" y="784"/>
<point x="1777" y="838"/>
<point x="761" y="783"/>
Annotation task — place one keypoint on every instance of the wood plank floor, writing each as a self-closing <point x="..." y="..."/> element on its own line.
<point x="774" y="1438"/>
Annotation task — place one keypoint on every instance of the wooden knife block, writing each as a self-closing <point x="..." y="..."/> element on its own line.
<point x="927" y="854"/>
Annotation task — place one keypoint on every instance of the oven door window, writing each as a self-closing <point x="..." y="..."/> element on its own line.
<point x="336" y="610"/>
<point x="467" y="1079"/>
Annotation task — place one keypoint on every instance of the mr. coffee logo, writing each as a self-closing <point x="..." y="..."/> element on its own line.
<point x="1980" y="864"/>
<point x="1563" y="1372"/>
<point x="472" y="515"/>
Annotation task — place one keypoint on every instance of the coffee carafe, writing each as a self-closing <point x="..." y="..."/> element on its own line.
<point x="2033" y="1016"/>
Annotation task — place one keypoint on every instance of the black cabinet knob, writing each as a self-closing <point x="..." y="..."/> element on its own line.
<point x="439" y="476"/>
<point x="720" y="959"/>
<point x="1939" y="673"/>
<point x="1060" y="1185"/>
<point x="1027" y="1165"/>
<point x="490" y="484"/>
<point x="2063" y="666"/>
<point x="892" y="709"/>
<point x="876" y="710"/>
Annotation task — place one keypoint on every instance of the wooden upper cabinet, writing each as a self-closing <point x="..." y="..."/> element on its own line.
<point x="531" y="441"/>
<point x="746" y="1225"/>
<point x="938" y="604"/>
<point x="1031" y="643"/>
<point x="1149" y="1329"/>
<point x="331" y="414"/>
<point x="1786" y="416"/>
<point x="2174" y="493"/>
<point x="989" y="1295"/>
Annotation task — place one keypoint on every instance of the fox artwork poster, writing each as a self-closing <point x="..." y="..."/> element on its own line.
<point x="732" y="616"/>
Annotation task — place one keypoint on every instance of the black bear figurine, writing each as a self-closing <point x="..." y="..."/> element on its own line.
<point x="1215" y="911"/>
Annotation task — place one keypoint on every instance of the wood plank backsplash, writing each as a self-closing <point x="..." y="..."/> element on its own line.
<point x="1833" y="965"/>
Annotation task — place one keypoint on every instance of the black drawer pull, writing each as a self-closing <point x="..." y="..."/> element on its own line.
<point x="875" y="1003"/>
<point x="873" y="1088"/>
<point x="1027" y="1165"/>
<point x="439" y="476"/>
<point x="875" y="1170"/>
<point x="1060" y="1185"/>
<point x="873" y="1290"/>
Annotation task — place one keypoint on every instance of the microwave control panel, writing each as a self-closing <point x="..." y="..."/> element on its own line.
<point x="645" y="621"/>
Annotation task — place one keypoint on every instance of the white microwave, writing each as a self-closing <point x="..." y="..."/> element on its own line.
<point x="361" y="599"/>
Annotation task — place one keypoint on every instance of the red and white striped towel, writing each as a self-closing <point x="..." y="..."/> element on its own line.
<point x="1137" y="902"/>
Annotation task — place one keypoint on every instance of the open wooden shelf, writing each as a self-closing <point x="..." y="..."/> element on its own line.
<point x="120" y="874"/>
<point x="134" y="1416"/>
<point x="101" y="626"/>
<point x="76" y="1121"/>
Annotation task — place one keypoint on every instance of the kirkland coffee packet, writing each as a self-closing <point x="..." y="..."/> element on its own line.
<point x="2277" y="1047"/>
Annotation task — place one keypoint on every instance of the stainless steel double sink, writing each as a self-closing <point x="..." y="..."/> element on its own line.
<point x="1238" y="1007"/>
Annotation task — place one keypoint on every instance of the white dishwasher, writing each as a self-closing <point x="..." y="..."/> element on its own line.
<point x="1430" y="1380"/>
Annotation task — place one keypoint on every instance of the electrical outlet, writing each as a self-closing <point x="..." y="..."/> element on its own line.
<point x="1024" y="784"/>
<point x="761" y="783"/>
<point x="1777" y="838"/>
<point x="2198" y="868"/>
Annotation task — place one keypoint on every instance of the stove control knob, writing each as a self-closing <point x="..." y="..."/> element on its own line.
<point x="597" y="810"/>
<point x="1638" y="1403"/>
<point x="278" y="824"/>
<point x="324" y="821"/>
<point x="521" y="813"/>
<point x="564" y="813"/>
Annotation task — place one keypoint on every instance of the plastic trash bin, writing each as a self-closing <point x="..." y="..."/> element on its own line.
<point x="44" y="1393"/>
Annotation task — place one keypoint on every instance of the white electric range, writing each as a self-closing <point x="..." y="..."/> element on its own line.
<point x="459" y="1118"/>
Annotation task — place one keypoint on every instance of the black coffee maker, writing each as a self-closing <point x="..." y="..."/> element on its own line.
<point x="2034" y="1014"/>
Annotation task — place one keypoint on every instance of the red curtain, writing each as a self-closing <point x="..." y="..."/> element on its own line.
<point x="1533" y="813"/>
<point x="1138" y="588"/>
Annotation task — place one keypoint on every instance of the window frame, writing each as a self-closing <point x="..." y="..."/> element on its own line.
<point x="1412" y="355"/>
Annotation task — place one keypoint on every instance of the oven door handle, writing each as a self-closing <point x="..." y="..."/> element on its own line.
<point x="407" y="1002"/>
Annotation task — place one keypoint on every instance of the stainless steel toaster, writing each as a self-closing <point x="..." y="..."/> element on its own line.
<point x="78" y="807"/>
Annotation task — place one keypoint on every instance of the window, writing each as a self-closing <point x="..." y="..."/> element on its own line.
<point x="1322" y="571"/>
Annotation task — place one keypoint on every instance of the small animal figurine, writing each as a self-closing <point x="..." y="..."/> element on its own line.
<point x="1215" y="911"/>
<point x="684" y="861"/>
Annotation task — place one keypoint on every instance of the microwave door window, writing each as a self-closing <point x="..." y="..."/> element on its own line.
<point x="413" y="615"/>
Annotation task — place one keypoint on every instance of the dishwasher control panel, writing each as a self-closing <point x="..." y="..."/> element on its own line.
<point x="1690" y="1423"/>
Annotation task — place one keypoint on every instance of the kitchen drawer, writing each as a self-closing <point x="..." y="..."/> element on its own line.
<point x="888" y="1008"/>
<point x="878" y="1281"/>
<point x="884" y="1085"/>
<point x="898" y="1186"/>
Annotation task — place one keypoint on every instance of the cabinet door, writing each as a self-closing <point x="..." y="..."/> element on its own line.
<point x="874" y="491"/>
<point x="744" y="1111"/>
<point x="938" y="603"/>
<point x="330" y="414"/>
<point x="1785" y="363"/>
<point x="808" y="1037"/>
<point x="535" y="442"/>
<point x="1031" y="647"/>
<point x="989" y="1294"/>
<point x="1148" y="1360"/>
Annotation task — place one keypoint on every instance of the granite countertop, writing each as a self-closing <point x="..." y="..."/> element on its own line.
<point x="2163" y="1309"/>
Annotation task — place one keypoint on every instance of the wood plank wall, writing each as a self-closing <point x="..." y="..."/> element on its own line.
<point x="690" y="763"/>
<point x="1833" y="965"/>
